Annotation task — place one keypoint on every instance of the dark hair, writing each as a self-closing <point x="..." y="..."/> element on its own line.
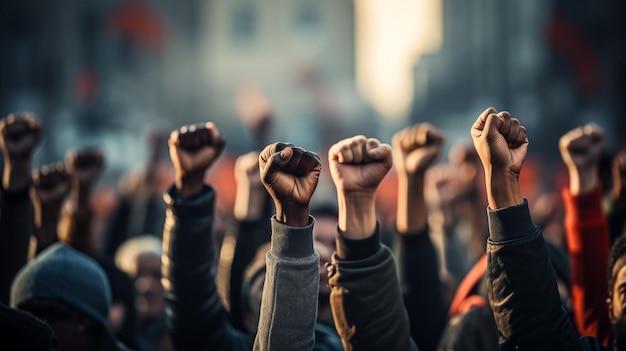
<point x="618" y="251"/>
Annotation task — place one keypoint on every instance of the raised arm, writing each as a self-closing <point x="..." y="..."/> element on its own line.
<point x="19" y="135"/>
<point x="252" y="212"/>
<point x="522" y="288"/>
<point x="414" y="150"/>
<point x="51" y="184"/>
<point x="365" y="296"/>
<point x="195" y="312"/>
<point x="586" y="230"/>
<point x="85" y="167"/>
<point x="289" y="304"/>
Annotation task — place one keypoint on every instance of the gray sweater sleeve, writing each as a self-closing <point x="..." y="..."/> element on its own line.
<point x="290" y="293"/>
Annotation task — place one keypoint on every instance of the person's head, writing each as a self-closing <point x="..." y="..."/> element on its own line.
<point x="616" y="276"/>
<point x="140" y="258"/>
<point x="70" y="292"/>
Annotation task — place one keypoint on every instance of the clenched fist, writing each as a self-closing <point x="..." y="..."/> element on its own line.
<point x="357" y="166"/>
<point x="193" y="149"/>
<point x="581" y="149"/>
<point x="415" y="148"/>
<point x="290" y="175"/>
<point x="51" y="184"/>
<point x="502" y="144"/>
<point x="85" y="165"/>
<point x="19" y="135"/>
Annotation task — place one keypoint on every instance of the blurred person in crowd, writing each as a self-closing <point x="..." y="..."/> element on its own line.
<point x="140" y="208"/>
<point x="289" y="301"/>
<point x="140" y="258"/>
<point x="70" y="292"/>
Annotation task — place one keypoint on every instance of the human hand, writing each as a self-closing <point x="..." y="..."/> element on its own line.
<point x="193" y="149"/>
<point x="19" y="135"/>
<point x="502" y="144"/>
<point x="290" y="175"/>
<point x="357" y="166"/>
<point x="581" y="149"/>
<point x="416" y="148"/>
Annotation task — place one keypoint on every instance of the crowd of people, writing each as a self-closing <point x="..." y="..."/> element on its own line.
<point x="470" y="264"/>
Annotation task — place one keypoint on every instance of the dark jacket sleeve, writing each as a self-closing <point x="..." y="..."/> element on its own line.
<point x="250" y="235"/>
<point x="522" y="287"/>
<point x="197" y="318"/>
<point x="423" y="295"/>
<point x="16" y="227"/>
<point x="365" y="297"/>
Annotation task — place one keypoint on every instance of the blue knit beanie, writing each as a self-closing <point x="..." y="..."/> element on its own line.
<point x="62" y="273"/>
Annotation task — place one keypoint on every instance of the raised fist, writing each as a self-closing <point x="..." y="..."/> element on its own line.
<point x="582" y="147"/>
<point x="247" y="170"/>
<point x="19" y="134"/>
<point x="415" y="148"/>
<point x="194" y="148"/>
<point x="289" y="173"/>
<point x="85" y="165"/>
<point x="359" y="164"/>
<point x="51" y="184"/>
<point x="500" y="140"/>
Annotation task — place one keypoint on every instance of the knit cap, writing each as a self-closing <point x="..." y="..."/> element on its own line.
<point x="62" y="273"/>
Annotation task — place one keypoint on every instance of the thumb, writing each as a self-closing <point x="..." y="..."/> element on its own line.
<point x="275" y="163"/>
<point x="378" y="151"/>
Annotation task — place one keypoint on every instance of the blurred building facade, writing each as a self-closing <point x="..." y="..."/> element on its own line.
<point x="555" y="64"/>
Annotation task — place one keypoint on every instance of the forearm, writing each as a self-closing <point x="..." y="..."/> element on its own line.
<point x="411" y="207"/>
<point x="356" y="214"/>
<point x="46" y="223"/>
<point x="16" y="226"/>
<point x="290" y="293"/>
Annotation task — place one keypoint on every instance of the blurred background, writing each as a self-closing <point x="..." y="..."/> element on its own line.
<point x="113" y="72"/>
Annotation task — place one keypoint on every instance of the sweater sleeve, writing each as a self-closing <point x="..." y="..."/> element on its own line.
<point x="290" y="293"/>
<point x="195" y="313"/>
<point x="587" y="233"/>
<point x="522" y="287"/>
<point x="365" y="297"/>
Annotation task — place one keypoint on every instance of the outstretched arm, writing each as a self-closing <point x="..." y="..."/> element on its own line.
<point x="365" y="296"/>
<point x="414" y="150"/>
<point x="19" y="135"/>
<point x="195" y="312"/>
<point x="51" y="184"/>
<point x="586" y="230"/>
<point x="84" y="166"/>
<point x="522" y="288"/>
<point x="289" y="304"/>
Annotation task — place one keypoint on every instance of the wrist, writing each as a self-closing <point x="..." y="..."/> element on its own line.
<point x="16" y="174"/>
<point x="357" y="214"/>
<point x="503" y="189"/>
<point x="291" y="214"/>
<point x="189" y="185"/>
<point x="582" y="180"/>
<point x="411" y="206"/>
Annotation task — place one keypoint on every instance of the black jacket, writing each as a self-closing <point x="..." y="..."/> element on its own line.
<point x="522" y="288"/>
<point x="365" y="297"/>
